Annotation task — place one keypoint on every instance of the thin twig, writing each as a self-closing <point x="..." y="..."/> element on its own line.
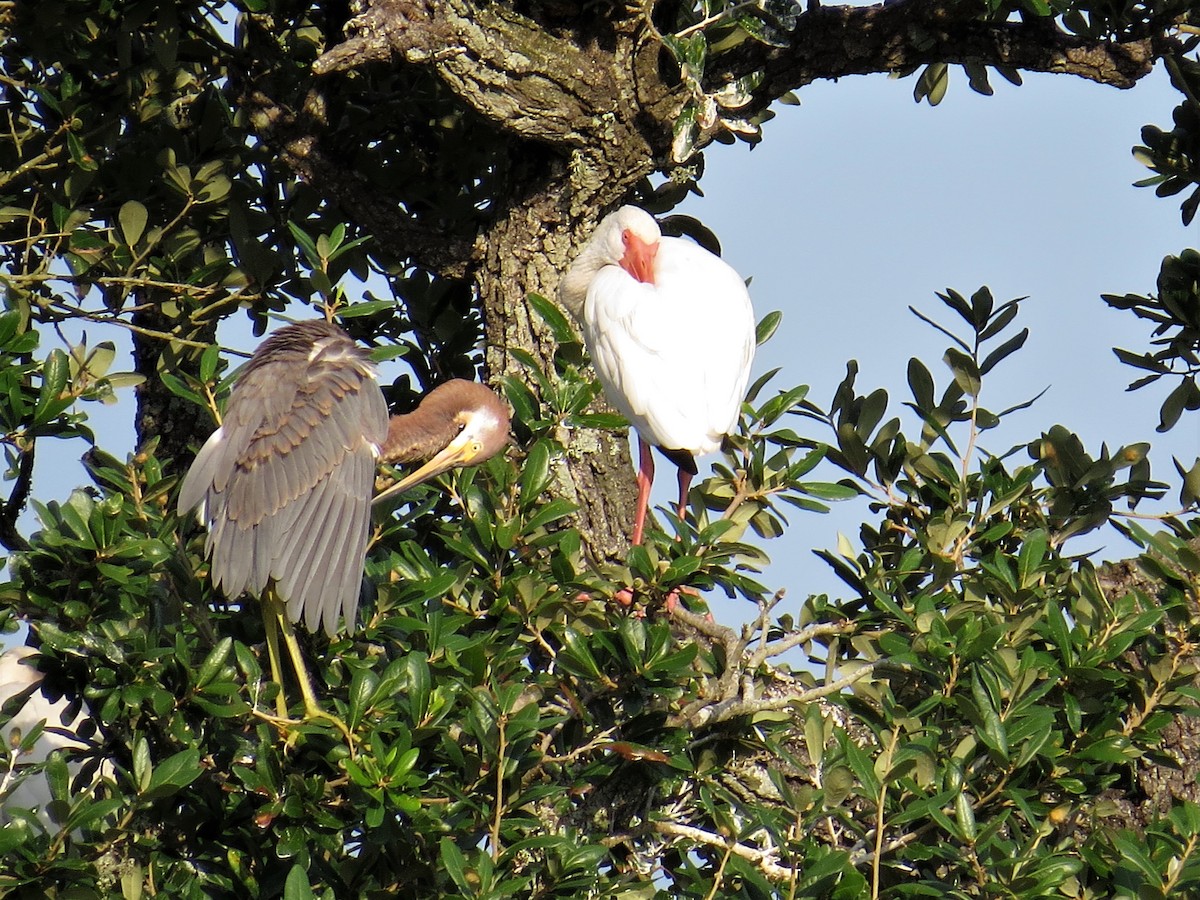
<point x="879" y="817"/>
<point x="502" y="746"/>
<point x="717" y="17"/>
<point x="9" y="536"/>
<point x="803" y="636"/>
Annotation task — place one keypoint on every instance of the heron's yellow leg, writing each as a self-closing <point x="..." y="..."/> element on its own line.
<point x="275" y="622"/>
<point x="271" y="624"/>
<point x="312" y="709"/>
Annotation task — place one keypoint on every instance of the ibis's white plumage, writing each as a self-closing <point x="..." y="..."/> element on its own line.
<point x="673" y="354"/>
<point x="67" y="727"/>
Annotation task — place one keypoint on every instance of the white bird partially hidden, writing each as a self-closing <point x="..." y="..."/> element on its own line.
<point x="66" y="726"/>
<point x="670" y="330"/>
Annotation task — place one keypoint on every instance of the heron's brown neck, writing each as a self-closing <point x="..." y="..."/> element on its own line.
<point x="415" y="436"/>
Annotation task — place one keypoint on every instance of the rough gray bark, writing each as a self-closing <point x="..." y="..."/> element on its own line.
<point x="161" y="414"/>
<point x="1171" y="777"/>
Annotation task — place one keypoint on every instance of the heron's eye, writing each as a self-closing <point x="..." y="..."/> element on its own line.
<point x="476" y="448"/>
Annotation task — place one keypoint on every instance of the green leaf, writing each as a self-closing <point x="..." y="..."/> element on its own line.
<point x="55" y="372"/>
<point x="13" y="835"/>
<point x="1010" y="346"/>
<point x="992" y="730"/>
<point x="214" y="662"/>
<point x="142" y="767"/>
<point x="549" y="313"/>
<point x="173" y="773"/>
<point x="297" y="886"/>
<point x="208" y="362"/>
<point x="418" y="687"/>
<point x="1031" y="556"/>
<point x="920" y="382"/>
<point x="1184" y="396"/>
<point x="964" y="815"/>
<point x="966" y="375"/>
<point x="456" y="865"/>
<point x="861" y="765"/>
<point x="535" y="473"/>
<point x="767" y="326"/>
<point x="828" y="491"/>
<point x="132" y="218"/>
<point x="685" y="132"/>
<point x="306" y="244"/>
<point x="932" y="83"/>
<point x="370" y="308"/>
<point x="362" y="690"/>
<point x="179" y="389"/>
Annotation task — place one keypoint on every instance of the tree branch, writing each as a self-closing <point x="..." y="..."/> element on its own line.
<point x="835" y="41"/>
<point x="12" y="539"/>
<point x="297" y="138"/>
<point x="744" y="706"/>
<point x="511" y="69"/>
<point x="764" y="859"/>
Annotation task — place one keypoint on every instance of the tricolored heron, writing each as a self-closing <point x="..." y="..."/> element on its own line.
<point x="670" y="330"/>
<point x="284" y="485"/>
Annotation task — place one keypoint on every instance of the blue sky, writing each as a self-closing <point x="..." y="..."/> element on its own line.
<point x="860" y="203"/>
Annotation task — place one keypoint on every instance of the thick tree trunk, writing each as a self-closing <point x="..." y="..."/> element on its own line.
<point x="525" y="252"/>
<point x="179" y="426"/>
<point x="589" y="115"/>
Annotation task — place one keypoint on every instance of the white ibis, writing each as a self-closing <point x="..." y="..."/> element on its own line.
<point x="284" y="485"/>
<point x="65" y="723"/>
<point x="670" y="330"/>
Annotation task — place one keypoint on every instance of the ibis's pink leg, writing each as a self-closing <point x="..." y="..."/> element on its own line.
<point x="685" y="482"/>
<point x="645" y="479"/>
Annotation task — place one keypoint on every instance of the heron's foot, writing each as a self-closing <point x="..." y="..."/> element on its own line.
<point x="315" y="712"/>
<point x="288" y="727"/>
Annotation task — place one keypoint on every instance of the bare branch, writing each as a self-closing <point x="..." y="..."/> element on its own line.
<point x="732" y="709"/>
<point x="835" y="41"/>
<point x="763" y="859"/>
<point x="803" y="636"/>
<point x="509" y="68"/>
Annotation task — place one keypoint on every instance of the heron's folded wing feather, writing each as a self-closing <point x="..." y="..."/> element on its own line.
<point x="293" y="461"/>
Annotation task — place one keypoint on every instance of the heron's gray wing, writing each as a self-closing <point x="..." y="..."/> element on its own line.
<point x="285" y="484"/>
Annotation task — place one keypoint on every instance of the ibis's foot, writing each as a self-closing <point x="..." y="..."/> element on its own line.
<point x="625" y="598"/>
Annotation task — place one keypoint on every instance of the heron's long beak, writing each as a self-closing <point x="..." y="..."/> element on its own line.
<point x="459" y="452"/>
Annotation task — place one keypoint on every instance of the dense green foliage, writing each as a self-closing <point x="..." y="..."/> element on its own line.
<point x="981" y="712"/>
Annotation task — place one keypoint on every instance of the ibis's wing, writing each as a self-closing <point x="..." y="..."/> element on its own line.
<point x="284" y="485"/>
<point x="674" y="357"/>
